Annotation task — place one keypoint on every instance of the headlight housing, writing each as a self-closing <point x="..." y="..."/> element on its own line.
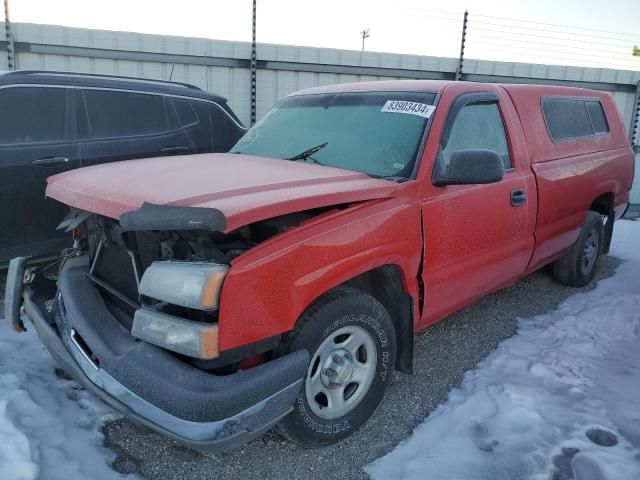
<point x="193" y="285"/>
<point x="188" y="284"/>
<point x="194" y="339"/>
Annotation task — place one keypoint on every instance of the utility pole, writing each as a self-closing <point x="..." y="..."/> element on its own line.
<point x="464" y="38"/>
<point x="253" y="68"/>
<point x="364" y="34"/>
<point x="7" y="27"/>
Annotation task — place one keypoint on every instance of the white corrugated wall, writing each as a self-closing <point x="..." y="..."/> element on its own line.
<point x="233" y="81"/>
<point x="635" y="191"/>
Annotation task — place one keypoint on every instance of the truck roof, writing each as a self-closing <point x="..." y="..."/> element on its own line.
<point x="437" y="86"/>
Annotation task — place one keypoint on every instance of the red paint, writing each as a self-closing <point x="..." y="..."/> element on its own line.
<point x="474" y="242"/>
<point x="243" y="187"/>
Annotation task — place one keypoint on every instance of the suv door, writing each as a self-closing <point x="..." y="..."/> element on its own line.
<point x="478" y="238"/>
<point x="37" y="140"/>
<point x="119" y="125"/>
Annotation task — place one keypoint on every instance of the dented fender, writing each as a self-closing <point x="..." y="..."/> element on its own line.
<point x="268" y="288"/>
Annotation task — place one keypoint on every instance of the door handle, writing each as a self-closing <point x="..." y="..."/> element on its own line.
<point x="518" y="197"/>
<point x="50" y="161"/>
<point x="174" y="149"/>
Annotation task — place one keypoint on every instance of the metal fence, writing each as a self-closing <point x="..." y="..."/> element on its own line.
<point x="225" y="67"/>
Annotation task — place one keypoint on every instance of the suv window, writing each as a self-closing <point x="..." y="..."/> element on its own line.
<point x="223" y="128"/>
<point x="478" y="126"/>
<point x="185" y="112"/>
<point x="37" y="114"/>
<point x="574" y="118"/>
<point x="111" y="113"/>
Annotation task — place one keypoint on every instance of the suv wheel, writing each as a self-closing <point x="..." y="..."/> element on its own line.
<point x="578" y="266"/>
<point x="352" y="348"/>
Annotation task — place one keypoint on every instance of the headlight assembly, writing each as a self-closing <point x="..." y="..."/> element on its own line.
<point x="194" y="339"/>
<point x="188" y="284"/>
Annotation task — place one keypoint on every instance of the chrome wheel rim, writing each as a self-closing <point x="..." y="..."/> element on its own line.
<point x="340" y="372"/>
<point x="590" y="252"/>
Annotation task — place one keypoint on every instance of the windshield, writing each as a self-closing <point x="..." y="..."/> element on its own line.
<point x="377" y="133"/>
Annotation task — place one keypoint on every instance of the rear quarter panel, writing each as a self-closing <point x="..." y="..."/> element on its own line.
<point x="571" y="175"/>
<point x="566" y="189"/>
<point x="270" y="286"/>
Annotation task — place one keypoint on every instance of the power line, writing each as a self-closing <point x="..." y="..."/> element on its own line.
<point x="554" y="25"/>
<point x="518" y="52"/>
<point x="542" y="59"/>
<point x="555" y="38"/>
<point x="481" y="34"/>
<point x="637" y="38"/>
<point x="569" y="56"/>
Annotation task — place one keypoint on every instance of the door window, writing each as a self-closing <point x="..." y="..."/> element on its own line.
<point x="478" y="126"/>
<point x="33" y="114"/>
<point x="185" y="112"/>
<point x="111" y="114"/>
<point x="209" y="126"/>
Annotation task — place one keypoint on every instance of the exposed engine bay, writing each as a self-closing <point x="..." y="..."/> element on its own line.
<point x="187" y="245"/>
<point x="119" y="258"/>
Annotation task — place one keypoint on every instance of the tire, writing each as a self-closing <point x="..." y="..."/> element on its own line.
<point x="578" y="266"/>
<point x="351" y="342"/>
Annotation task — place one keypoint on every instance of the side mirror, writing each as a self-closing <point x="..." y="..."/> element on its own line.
<point x="470" y="167"/>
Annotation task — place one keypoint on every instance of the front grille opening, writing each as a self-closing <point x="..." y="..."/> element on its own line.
<point x="114" y="266"/>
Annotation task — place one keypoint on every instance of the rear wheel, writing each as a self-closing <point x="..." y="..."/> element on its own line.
<point x="578" y="266"/>
<point x="352" y="346"/>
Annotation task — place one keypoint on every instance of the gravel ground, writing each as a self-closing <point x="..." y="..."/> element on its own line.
<point x="443" y="354"/>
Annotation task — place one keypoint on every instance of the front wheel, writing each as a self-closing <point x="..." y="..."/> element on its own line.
<point x="352" y="346"/>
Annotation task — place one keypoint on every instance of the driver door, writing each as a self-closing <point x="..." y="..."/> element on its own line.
<point x="478" y="238"/>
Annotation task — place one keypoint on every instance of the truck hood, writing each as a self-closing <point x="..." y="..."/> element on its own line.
<point x="243" y="188"/>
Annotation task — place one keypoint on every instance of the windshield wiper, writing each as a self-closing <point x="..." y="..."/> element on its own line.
<point x="307" y="153"/>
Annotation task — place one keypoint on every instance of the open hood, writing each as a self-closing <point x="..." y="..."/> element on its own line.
<point x="242" y="188"/>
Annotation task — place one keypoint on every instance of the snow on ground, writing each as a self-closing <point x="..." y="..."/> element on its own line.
<point x="49" y="428"/>
<point x="527" y="410"/>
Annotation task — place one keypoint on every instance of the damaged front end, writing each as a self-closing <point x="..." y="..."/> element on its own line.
<point x="134" y="319"/>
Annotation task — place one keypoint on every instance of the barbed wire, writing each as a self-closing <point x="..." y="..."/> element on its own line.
<point x="553" y="24"/>
<point x="549" y="37"/>
<point x="533" y="40"/>
<point x="524" y="43"/>
<point x="515" y="53"/>
<point x="574" y="34"/>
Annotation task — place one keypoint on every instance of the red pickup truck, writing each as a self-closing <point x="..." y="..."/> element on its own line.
<point x="214" y="296"/>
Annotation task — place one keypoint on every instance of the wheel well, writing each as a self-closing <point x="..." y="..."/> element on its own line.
<point x="385" y="285"/>
<point x="604" y="206"/>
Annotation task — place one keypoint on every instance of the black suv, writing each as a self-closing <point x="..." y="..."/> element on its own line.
<point x="51" y="122"/>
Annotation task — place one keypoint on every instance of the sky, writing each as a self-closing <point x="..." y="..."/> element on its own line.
<point x="402" y="26"/>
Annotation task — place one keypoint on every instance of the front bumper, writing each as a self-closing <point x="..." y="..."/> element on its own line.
<point x="153" y="387"/>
